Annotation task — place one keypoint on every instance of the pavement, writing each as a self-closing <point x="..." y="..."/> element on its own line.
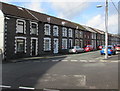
<point x="101" y="58"/>
<point x="73" y="71"/>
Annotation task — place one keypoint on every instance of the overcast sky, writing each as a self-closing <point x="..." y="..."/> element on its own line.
<point x="80" y="11"/>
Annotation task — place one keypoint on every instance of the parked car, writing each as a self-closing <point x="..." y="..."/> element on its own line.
<point x="111" y="50"/>
<point x="89" y="48"/>
<point x="76" y="49"/>
<point x="117" y="47"/>
<point x="100" y="47"/>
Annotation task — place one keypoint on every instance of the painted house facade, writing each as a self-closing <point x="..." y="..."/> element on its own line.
<point x="26" y="33"/>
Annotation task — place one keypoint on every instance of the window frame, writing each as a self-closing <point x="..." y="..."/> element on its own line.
<point x="54" y="30"/>
<point x="70" y="32"/>
<point x="81" y="34"/>
<point x="65" y="44"/>
<point x="64" y="32"/>
<point x="24" y="26"/>
<point x="49" y="29"/>
<point x="36" y="28"/>
<point x="16" y="46"/>
<point x="76" y="34"/>
<point x="48" y="49"/>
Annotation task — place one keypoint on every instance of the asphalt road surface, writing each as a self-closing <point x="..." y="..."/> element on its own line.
<point x="73" y="71"/>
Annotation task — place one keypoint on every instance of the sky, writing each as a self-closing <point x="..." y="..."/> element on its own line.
<point x="79" y="11"/>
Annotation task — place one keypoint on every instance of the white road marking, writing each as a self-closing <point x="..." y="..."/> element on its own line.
<point x="50" y="89"/>
<point x="55" y="60"/>
<point x="64" y="60"/>
<point x="103" y="61"/>
<point x="73" y="60"/>
<point x="91" y="61"/>
<point x="114" y="61"/>
<point x="3" y="86"/>
<point x="83" y="61"/>
<point x="26" y="88"/>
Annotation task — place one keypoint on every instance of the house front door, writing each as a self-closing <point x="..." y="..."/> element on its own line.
<point x="55" y="45"/>
<point x="34" y="47"/>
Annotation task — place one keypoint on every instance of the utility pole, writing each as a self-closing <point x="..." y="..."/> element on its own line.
<point x="106" y="29"/>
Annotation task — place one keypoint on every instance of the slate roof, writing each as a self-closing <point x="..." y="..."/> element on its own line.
<point x="89" y="29"/>
<point x="33" y="15"/>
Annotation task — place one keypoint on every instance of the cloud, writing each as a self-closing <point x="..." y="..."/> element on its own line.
<point x="99" y="23"/>
<point x="69" y="10"/>
<point x="31" y="4"/>
<point x="36" y="6"/>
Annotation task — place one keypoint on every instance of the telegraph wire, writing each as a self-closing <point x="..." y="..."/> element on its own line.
<point x="115" y="6"/>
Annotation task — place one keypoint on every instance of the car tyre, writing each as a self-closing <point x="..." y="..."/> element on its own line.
<point x="114" y="53"/>
<point x="109" y="54"/>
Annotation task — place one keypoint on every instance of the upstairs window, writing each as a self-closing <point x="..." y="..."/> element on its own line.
<point x="76" y="33"/>
<point x="47" y="29"/>
<point x="70" y="32"/>
<point x="81" y="34"/>
<point x="34" y="28"/>
<point x="55" y="30"/>
<point x="20" y="26"/>
<point x="64" y="32"/>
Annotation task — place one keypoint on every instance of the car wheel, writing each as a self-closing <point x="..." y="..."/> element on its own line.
<point x="109" y="54"/>
<point x="76" y="52"/>
<point x="114" y="53"/>
<point x="101" y="54"/>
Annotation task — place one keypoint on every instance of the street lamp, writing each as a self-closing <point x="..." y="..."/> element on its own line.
<point x="106" y="27"/>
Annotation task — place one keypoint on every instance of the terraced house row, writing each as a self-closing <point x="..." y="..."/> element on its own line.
<point x="25" y="33"/>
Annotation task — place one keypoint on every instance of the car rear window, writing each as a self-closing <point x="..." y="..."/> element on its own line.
<point x="118" y="46"/>
<point x="109" y="47"/>
<point x="72" y="48"/>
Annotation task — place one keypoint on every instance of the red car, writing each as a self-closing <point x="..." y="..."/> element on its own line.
<point x="89" y="48"/>
<point x="100" y="47"/>
<point x="117" y="47"/>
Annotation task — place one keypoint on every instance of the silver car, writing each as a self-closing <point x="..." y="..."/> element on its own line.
<point x="76" y="49"/>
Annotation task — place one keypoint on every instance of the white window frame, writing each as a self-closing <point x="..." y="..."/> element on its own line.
<point x="81" y="34"/>
<point x="76" y="33"/>
<point x="36" y="46"/>
<point x="25" y="46"/>
<point x="31" y="27"/>
<point x="70" y="32"/>
<point x="24" y="26"/>
<point x="49" y="49"/>
<point x="65" y="45"/>
<point x="49" y="29"/>
<point x="77" y="41"/>
<point x="64" y="31"/>
<point x="55" y="30"/>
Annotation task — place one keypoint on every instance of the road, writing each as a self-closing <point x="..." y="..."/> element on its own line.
<point x="73" y="71"/>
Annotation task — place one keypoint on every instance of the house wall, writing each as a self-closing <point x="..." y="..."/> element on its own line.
<point x="10" y="35"/>
<point x="1" y="35"/>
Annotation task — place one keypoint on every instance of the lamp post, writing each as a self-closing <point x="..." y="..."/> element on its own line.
<point x="106" y="28"/>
